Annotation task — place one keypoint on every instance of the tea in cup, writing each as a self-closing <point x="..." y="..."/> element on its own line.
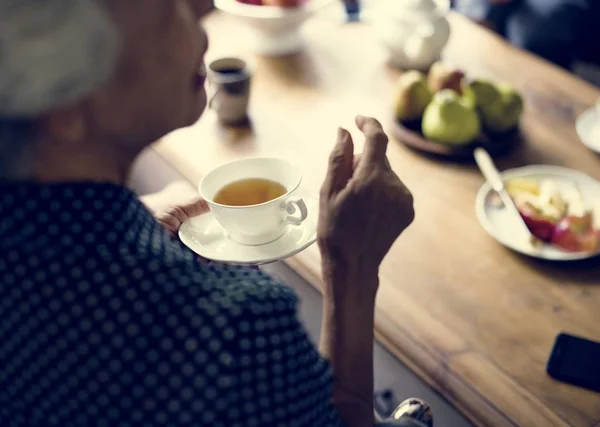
<point x="252" y="199"/>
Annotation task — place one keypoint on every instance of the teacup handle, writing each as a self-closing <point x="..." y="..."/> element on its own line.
<point x="291" y="207"/>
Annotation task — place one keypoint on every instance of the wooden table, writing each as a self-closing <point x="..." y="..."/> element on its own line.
<point x="474" y="320"/>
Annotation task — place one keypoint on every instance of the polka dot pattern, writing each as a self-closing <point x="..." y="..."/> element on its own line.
<point x="105" y="320"/>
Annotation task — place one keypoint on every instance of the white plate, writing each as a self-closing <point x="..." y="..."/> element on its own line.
<point x="588" y="129"/>
<point x="206" y="237"/>
<point x="496" y="220"/>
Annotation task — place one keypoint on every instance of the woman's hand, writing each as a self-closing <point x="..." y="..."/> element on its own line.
<point x="364" y="208"/>
<point x="172" y="218"/>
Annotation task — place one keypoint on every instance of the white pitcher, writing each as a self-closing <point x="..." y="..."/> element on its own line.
<point x="414" y="31"/>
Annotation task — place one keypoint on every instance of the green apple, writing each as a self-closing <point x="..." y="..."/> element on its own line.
<point x="507" y="117"/>
<point x="412" y="97"/>
<point x="500" y="105"/>
<point x="468" y="96"/>
<point x="449" y="119"/>
<point x="482" y="93"/>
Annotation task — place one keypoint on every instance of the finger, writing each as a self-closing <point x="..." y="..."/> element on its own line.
<point x="169" y="223"/>
<point x="357" y="161"/>
<point x="376" y="141"/>
<point x="195" y="207"/>
<point x="188" y="210"/>
<point x="177" y="215"/>
<point x="341" y="164"/>
<point x="387" y="163"/>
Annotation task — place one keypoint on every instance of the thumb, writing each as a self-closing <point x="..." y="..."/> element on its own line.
<point x="341" y="164"/>
<point x="177" y="215"/>
<point x="195" y="207"/>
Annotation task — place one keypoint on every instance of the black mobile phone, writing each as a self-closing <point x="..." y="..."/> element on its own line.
<point x="576" y="361"/>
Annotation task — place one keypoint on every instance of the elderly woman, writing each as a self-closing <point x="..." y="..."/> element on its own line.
<point x="105" y="319"/>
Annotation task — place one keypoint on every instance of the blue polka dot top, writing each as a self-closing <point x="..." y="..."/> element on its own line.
<point x="105" y="320"/>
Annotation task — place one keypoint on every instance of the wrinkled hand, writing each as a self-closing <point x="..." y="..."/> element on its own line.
<point x="364" y="206"/>
<point x="173" y="217"/>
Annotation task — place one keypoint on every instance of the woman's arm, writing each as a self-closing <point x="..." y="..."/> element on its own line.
<point x="364" y="208"/>
<point x="347" y="342"/>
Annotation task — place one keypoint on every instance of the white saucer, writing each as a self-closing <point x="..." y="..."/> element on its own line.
<point x="498" y="222"/>
<point x="206" y="237"/>
<point x="588" y="129"/>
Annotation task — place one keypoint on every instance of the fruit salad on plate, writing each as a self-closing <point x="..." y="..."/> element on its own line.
<point x="557" y="215"/>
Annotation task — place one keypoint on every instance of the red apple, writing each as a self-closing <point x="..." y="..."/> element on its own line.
<point x="443" y="76"/>
<point x="540" y="226"/>
<point x="576" y="234"/>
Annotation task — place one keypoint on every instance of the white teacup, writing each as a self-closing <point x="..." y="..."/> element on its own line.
<point x="256" y="224"/>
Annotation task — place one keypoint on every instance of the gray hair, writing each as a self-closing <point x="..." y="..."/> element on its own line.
<point x="52" y="52"/>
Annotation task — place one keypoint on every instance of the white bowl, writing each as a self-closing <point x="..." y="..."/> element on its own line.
<point x="273" y="31"/>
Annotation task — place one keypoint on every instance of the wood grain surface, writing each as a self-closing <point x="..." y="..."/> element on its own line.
<point x="474" y="320"/>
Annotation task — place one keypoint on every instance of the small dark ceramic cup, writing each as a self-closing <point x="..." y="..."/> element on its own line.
<point x="229" y="86"/>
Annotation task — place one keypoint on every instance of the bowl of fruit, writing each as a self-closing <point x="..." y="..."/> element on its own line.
<point x="273" y="25"/>
<point x="444" y="113"/>
<point x="561" y="208"/>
